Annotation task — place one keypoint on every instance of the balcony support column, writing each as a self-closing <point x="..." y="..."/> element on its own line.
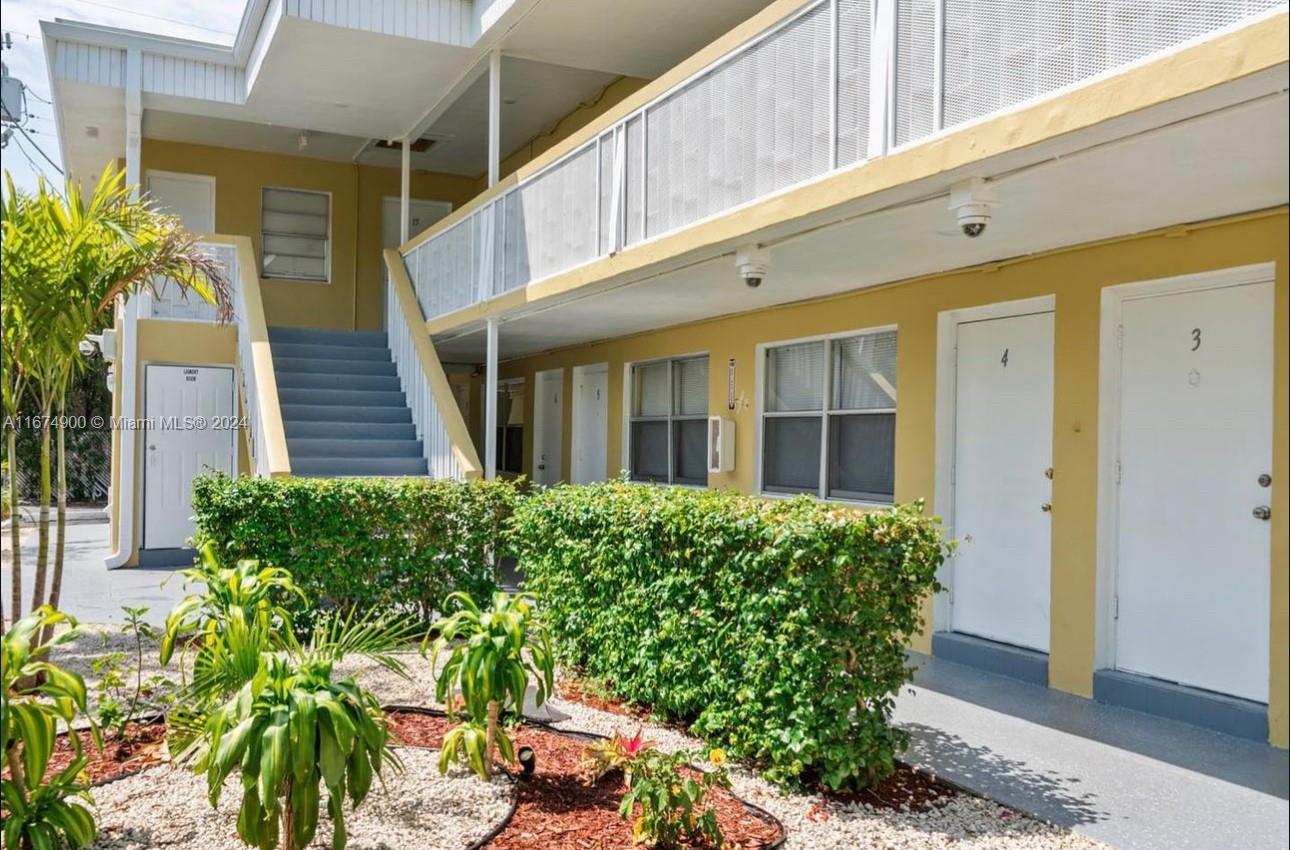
<point x="405" y="190"/>
<point x="490" y="402"/>
<point x="494" y="115"/>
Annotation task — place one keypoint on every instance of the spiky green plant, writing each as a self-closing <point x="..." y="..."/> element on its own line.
<point x="491" y="655"/>
<point x="42" y="809"/>
<point x="292" y="731"/>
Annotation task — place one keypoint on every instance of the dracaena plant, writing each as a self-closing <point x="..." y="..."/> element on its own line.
<point x="293" y="730"/>
<point x="286" y="723"/>
<point x="42" y="809"/>
<point x="491" y="656"/>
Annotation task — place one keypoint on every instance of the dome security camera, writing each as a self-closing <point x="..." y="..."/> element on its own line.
<point x="753" y="264"/>
<point x="972" y="201"/>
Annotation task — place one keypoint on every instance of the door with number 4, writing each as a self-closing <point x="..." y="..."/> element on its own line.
<point x="1001" y="479"/>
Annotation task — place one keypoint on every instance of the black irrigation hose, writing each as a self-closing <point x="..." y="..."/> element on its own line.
<point x="752" y="808"/>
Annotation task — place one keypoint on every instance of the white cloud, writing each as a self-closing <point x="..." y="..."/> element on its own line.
<point x="202" y="20"/>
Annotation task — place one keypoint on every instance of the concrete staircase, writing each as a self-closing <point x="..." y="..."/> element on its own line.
<point x="342" y="407"/>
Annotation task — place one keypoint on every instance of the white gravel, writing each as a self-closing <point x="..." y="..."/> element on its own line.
<point x="142" y="812"/>
<point x="417" y="810"/>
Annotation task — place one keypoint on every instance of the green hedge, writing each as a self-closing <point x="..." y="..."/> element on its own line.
<point x="777" y="628"/>
<point x="404" y="543"/>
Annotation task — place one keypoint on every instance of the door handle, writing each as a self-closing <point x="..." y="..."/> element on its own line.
<point x="1046" y="507"/>
<point x="541" y="466"/>
<point x="1263" y="512"/>
<point x="1048" y="473"/>
<point x="1265" y="480"/>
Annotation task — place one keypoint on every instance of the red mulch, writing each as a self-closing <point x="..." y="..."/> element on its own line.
<point x="904" y="788"/>
<point x="142" y="746"/>
<point x="577" y="690"/>
<point x="559" y="811"/>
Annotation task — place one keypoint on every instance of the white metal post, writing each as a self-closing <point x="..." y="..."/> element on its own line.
<point x="127" y="367"/>
<point x="490" y="402"/>
<point x="494" y="116"/>
<point x="405" y="191"/>
<point x="881" y="63"/>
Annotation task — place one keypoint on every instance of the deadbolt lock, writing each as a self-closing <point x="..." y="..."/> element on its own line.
<point x="1046" y="507"/>
<point x="1048" y="473"/>
<point x="1265" y="480"/>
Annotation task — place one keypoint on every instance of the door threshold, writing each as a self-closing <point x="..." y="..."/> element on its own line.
<point x="1231" y="715"/>
<point x="1015" y="662"/>
<point x="174" y="557"/>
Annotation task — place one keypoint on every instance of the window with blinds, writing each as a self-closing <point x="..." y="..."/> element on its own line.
<point x="667" y="440"/>
<point x="829" y="418"/>
<point x="295" y="230"/>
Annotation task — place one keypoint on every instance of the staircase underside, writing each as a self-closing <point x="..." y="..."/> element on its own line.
<point x="343" y="409"/>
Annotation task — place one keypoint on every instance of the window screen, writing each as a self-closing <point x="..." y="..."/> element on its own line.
<point x="850" y="439"/>
<point x="294" y="228"/>
<point x="669" y="414"/>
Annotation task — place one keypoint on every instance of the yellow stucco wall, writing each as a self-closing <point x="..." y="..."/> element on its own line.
<point x="1075" y="277"/>
<point x="352" y="299"/>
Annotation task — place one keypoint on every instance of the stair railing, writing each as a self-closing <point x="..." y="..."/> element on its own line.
<point x="257" y="385"/>
<point x="445" y="440"/>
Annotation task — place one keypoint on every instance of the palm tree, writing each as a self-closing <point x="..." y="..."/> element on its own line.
<point x="67" y="259"/>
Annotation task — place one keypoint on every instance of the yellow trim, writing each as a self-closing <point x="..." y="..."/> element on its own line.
<point x="266" y="381"/>
<point x="1256" y="47"/>
<point x="453" y="422"/>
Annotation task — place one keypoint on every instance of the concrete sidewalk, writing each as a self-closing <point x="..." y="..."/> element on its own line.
<point x="1129" y="779"/>
<point x="91" y="592"/>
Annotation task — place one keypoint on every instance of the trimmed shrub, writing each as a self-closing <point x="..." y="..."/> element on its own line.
<point x="777" y="628"/>
<point x="364" y="543"/>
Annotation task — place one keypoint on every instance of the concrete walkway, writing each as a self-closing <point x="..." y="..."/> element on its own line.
<point x="91" y="592"/>
<point x="1134" y="781"/>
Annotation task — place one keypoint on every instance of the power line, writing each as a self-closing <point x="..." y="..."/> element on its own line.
<point x="34" y="165"/>
<point x="116" y="8"/>
<point x="39" y="150"/>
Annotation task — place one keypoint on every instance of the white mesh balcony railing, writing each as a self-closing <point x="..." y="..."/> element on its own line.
<point x="834" y="84"/>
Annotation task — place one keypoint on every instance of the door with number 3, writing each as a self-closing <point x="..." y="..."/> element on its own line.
<point x="1192" y="538"/>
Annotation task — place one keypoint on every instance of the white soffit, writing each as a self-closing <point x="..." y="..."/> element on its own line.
<point x="634" y="38"/>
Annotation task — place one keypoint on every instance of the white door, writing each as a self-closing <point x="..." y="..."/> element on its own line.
<point x="1002" y="455"/>
<point x="548" y="427"/>
<point x="184" y="406"/>
<point x="1195" y="435"/>
<point x="590" y="422"/>
<point x="192" y="198"/>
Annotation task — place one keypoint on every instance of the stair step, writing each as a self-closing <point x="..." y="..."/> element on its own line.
<point x="287" y="365"/>
<point x="320" y="336"/>
<point x="339" y="467"/>
<point x="298" y="447"/>
<point x="343" y="413"/>
<point x="332" y="381"/>
<point x="350" y="431"/>
<point x="330" y="352"/>
<point x="362" y="398"/>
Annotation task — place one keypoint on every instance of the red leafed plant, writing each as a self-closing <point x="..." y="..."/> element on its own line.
<point x="617" y="752"/>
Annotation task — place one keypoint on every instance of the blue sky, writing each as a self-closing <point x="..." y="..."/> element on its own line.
<point x="204" y="20"/>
